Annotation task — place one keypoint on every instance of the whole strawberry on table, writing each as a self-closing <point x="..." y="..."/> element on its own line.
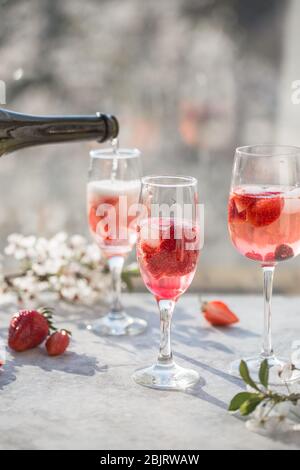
<point x="30" y="328"/>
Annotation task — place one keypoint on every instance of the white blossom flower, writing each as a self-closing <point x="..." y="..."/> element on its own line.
<point x="69" y="267"/>
<point x="20" y="253"/>
<point x="28" y="242"/>
<point x="10" y="249"/>
<point x="269" y="419"/>
<point x="59" y="238"/>
<point x="286" y="372"/>
<point x="14" y="238"/>
<point x="69" y="293"/>
<point x="77" y="241"/>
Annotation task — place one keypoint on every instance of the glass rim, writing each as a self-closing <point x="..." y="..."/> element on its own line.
<point x="110" y="154"/>
<point x="287" y="150"/>
<point x="182" y="181"/>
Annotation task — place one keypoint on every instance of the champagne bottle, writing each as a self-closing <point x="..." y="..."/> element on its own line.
<point x="18" y="131"/>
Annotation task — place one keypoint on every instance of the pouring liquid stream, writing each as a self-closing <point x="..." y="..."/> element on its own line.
<point x="115" y="147"/>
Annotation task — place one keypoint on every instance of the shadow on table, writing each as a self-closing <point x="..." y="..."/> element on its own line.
<point x="7" y="375"/>
<point x="197" y="391"/>
<point x="290" y="438"/>
<point x="219" y="373"/>
<point x="183" y="333"/>
<point x="70" y="363"/>
<point x="238" y="332"/>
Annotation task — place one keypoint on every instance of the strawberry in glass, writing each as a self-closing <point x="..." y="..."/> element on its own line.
<point x="264" y="226"/>
<point x="168" y="251"/>
<point x="108" y="201"/>
<point x="168" y="262"/>
<point x="112" y="197"/>
<point x="264" y="222"/>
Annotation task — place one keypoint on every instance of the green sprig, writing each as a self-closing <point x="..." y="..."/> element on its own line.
<point x="247" y="402"/>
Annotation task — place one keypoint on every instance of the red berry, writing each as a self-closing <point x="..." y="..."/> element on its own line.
<point x="233" y="214"/>
<point x="157" y="264"/>
<point x="93" y="218"/>
<point x="218" y="314"/>
<point x="254" y="256"/>
<point x="57" y="343"/>
<point x="283" y="252"/>
<point x="172" y="256"/>
<point x="177" y="262"/>
<point x="188" y="263"/>
<point x="243" y="201"/>
<point x="269" y="258"/>
<point x="265" y="211"/>
<point x="168" y="245"/>
<point x="28" y="329"/>
<point x="149" y="249"/>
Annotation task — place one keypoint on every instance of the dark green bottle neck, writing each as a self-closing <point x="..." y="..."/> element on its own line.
<point x="19" y="130"/>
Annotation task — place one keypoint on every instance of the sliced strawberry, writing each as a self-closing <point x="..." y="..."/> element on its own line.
<point x="58" y="342"/>
<point x="154" y="265"/>
<point x="171" y="257"/>
<point x="168" y="245"/>
<point x="254" y="256"/>
<point x="189" y="262"/>
<point x="110" y="201"/>
<point x="265" y="211"/>
<point x="218" y="314"/>
<point x="149" y="249"/>
<point x="233" y="214"/>
<point x="243" y="201"/>
<point x="93" y="219"/>
<point x="283" y="252"/>
<point x="269" y="257"/>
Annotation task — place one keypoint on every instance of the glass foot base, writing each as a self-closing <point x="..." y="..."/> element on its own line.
<point x="166" y="377"/>
<point x="254" y="363"/>
<point x="118" y="325"/>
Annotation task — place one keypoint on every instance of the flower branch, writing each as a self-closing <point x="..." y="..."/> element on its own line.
<point x="69" y="267"/>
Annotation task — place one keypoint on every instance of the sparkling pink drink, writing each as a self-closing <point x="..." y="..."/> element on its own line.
<point x="111" y="215"/>
<point x="168" y="252"/>
<point x="264" y="222"/>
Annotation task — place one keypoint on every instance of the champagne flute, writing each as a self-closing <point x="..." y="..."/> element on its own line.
<point x="264" y="225"/>
<point x="112" y="196"/>
<point x="167" y="251"/>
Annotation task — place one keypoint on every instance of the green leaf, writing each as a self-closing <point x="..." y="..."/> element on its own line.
<point x="239" y="399"/>
<point x="250" y="405"/>
<point x="244" y="373"/>
<point x="264" y="373"/>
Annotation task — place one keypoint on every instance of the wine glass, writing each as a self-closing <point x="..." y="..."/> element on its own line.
<point x="112" y="197"/>
<point x="264" y="225"/>
<point x="167" y="252"/>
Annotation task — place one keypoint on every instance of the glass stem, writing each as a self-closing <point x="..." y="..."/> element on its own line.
<point x="166" y="309"/>
<point x="115" y="265"/>
<point x="267" y="350"/>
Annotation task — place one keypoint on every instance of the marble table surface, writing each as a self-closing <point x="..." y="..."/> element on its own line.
<point x="86" y="399"/>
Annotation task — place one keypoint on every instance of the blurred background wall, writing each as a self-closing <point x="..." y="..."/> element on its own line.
<point x="189" y="80"/>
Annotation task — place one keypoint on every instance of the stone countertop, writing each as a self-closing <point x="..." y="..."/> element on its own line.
<point x="86" y="399"/>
